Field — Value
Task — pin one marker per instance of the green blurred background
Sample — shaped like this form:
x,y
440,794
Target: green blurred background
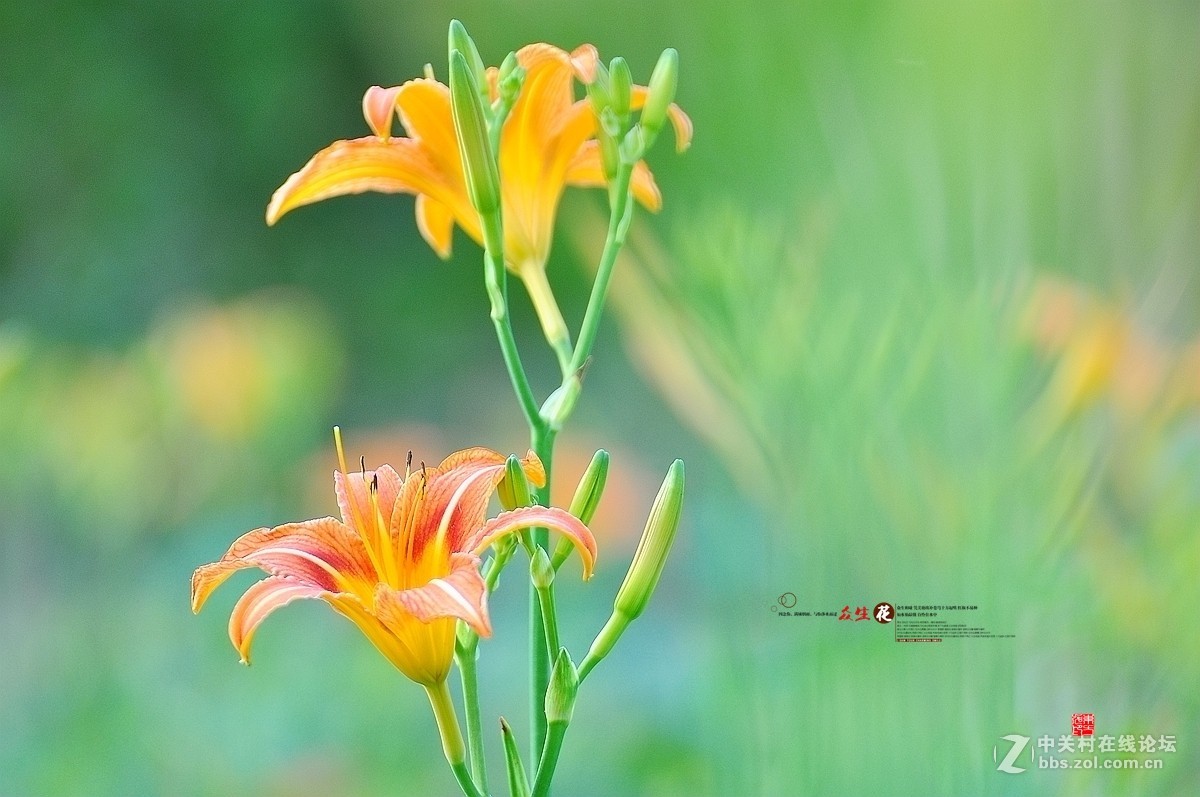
x,y
920,314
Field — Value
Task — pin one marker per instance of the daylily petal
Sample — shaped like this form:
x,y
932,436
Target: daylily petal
x,y
354,495
532,160
379,109
456,498
435,222
462,595
389,165
479,456
319,553
417,667
583,60
679,120
259,601
546,517
425,111
548,74
427,498
587,171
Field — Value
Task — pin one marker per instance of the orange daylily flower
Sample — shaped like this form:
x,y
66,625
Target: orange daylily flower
x,y
402,564
547,143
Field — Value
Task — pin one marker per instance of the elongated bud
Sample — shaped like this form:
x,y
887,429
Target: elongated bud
x,y
646,568
541,573
470,124
590,487
620,86
661,93
587,498
461,41
560,694
513,489
655,545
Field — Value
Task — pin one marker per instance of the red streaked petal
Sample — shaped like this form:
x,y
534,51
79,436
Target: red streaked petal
x,y
319,553
462,594
354,494
456,501
259,601
469,457
379,109
544,517
472,457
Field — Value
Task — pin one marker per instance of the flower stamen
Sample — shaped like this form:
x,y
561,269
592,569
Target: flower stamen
x,y
355,516
381,535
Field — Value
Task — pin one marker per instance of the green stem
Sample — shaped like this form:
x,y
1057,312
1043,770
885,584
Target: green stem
x,y
493,574
549,619
452,741
618,225
603,643
465,656
542,441
464,780
549,759
496,282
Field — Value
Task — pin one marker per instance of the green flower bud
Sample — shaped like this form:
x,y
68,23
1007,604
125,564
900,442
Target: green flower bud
x,y
561,402
655,545
470,124
461,41
598,90
620,86
541,573
587,498
660,94
560,694
590,487
513,489
467,640
634,145
510,78
647,567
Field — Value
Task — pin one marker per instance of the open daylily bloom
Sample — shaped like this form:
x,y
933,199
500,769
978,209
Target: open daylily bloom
x,y
548,142
402,564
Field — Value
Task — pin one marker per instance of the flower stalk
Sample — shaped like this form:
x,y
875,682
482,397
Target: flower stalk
x,y
490,152
452,742
465,656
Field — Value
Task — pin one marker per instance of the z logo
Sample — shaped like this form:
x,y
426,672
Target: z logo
x,y
1018,747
